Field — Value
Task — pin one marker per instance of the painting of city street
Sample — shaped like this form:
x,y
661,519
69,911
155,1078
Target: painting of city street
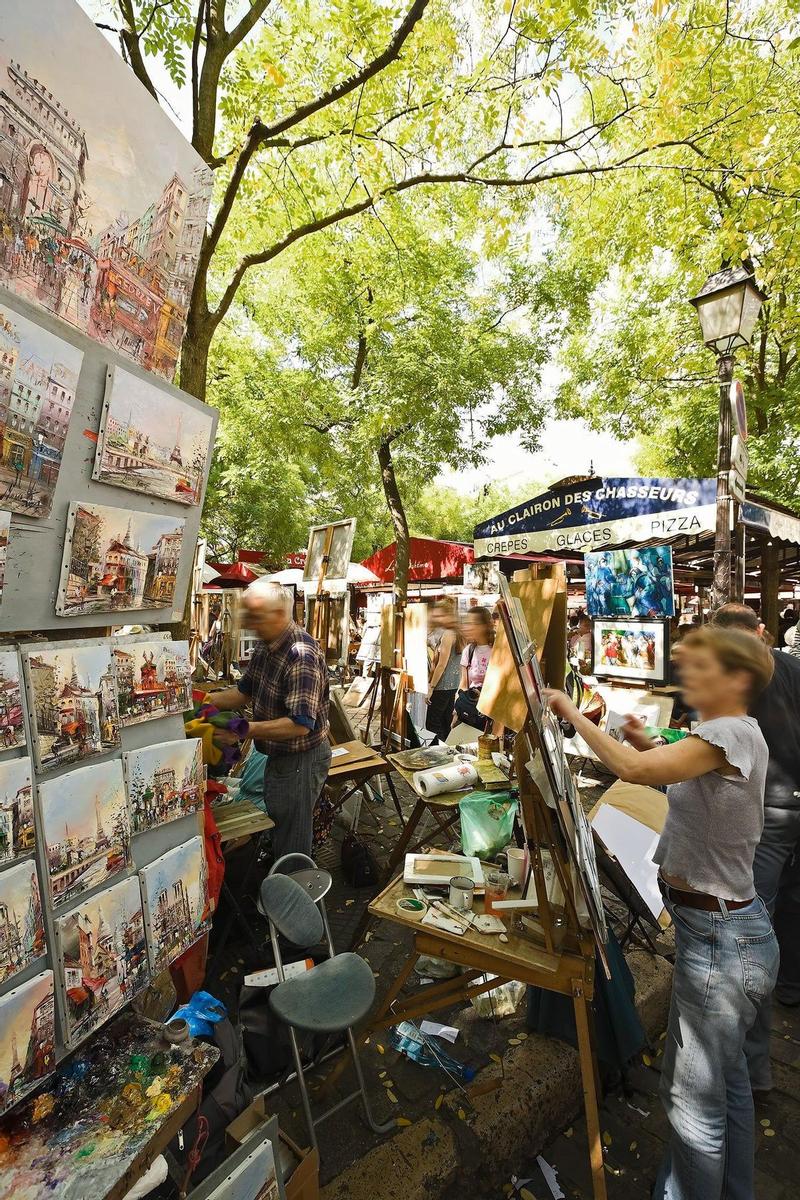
x,y
164,782
154,679
21,924
175,894
103,956
38,377
86,827
17,837
12,726
5,528
27,1038
103,204
74,703
150,441
116,560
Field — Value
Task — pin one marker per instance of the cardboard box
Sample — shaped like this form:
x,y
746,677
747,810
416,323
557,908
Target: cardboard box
x,y
300,1167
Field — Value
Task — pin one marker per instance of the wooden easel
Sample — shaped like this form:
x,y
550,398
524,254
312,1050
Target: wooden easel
x,y
322,602
395,685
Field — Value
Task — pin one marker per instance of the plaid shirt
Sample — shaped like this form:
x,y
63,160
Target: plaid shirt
x,y
289,678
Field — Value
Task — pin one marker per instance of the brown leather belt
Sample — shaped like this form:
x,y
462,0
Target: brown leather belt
x,y
700,899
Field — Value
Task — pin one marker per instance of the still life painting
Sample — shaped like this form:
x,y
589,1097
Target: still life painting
x,y
175,893
21,924
17,834
116,560
154,679
74,703
86,828
12,726
27,1038
164,782
103,956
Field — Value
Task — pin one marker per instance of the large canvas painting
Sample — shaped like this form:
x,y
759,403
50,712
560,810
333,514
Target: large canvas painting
x,y
630,583
152,442
164,782
17,835
631,650
86,827
175,893
21,924
104,201
116,560
103,956
154,680
12,726
74,703
38,377
27,1038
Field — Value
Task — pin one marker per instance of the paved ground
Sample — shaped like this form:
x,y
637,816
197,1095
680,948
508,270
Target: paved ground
x,y
449,1144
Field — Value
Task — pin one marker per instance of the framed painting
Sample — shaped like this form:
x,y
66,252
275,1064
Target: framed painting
x,y
37,394
627,649
151,441
164,782
12,726
86,828
105,201
341,535
630,583
21,924
154,679
102,957
17,835
176,903
72,701
116,560
27,1038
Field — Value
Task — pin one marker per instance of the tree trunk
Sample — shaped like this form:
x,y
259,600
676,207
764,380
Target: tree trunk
x,y
397,512
194,354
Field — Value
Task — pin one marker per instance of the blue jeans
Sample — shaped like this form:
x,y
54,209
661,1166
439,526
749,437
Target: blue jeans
x,y
725,967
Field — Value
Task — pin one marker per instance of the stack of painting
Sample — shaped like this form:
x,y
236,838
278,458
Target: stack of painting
x,y
175,895
165,782
27,1038
73,707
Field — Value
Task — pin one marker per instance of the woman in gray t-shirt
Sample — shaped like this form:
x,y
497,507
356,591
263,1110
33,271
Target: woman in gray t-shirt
x,y
726,959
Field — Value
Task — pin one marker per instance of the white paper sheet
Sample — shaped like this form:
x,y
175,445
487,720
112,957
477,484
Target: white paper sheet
x,y
434,1029
633,845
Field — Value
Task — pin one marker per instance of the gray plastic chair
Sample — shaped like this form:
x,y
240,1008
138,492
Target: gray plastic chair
x,y
331,998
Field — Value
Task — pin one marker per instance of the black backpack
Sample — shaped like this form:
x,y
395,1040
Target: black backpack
x,y
358,863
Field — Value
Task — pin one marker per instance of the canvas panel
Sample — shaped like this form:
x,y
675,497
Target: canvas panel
x,y
72,701
21,923
176,903
164,782
17,834
27,1038
502,697
154,679
12,725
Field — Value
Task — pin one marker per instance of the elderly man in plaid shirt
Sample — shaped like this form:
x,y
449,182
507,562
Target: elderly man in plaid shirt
x,y
286,683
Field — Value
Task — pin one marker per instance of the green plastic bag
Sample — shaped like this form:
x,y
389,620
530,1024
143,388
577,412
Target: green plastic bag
x,y
487,823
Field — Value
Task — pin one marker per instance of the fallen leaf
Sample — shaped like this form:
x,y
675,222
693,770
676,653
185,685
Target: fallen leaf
x,y
765,1123
513,1041
392,1097
569,1132
647,1060
632,1147
526,1195
769,1133
349,902
522,1036
495,1058
402,1121
388,1083
382,1075
462,1116
438,1102
379,1048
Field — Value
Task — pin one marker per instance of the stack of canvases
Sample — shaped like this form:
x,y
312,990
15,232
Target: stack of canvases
x,y
107,944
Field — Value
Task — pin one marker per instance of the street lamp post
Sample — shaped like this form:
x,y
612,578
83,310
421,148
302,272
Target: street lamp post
x,y
727,306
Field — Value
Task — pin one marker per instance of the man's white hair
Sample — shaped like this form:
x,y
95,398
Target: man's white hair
x,y
264,593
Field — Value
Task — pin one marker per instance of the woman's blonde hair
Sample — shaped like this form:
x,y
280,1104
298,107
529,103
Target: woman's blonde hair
x,y
736,650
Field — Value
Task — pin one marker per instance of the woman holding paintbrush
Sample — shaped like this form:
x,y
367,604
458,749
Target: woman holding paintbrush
x,y
726,957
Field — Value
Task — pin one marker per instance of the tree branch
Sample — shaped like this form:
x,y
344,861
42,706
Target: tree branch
x,y
242,28
129,36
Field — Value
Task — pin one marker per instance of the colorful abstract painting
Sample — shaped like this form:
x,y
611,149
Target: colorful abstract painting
x,y
151,441
86,828
38,379
104,203
74,703
175,893
21,925
17,836
164,782
12,726
27,1038
102,955
116,560
154,679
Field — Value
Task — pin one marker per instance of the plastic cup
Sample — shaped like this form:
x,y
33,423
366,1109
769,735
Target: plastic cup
x,y
495,883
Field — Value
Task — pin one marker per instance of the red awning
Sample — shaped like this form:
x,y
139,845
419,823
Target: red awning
x,y
236,576
430,559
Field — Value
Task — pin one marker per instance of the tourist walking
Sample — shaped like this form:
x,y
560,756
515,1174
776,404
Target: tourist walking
x,y
446,644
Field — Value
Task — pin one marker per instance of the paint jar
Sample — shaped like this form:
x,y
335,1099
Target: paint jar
x,y
177,1031
495,883
462,892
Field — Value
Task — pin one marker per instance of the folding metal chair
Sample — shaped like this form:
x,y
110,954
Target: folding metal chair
x,y
332,997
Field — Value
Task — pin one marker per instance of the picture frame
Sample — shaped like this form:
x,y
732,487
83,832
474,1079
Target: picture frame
x,y
164,782
637,582
436,870
341,547
154,679
22,938
632,650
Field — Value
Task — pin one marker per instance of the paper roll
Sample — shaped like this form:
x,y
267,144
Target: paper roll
x,y
445,779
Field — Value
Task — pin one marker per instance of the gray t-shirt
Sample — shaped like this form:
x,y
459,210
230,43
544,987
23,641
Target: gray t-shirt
x,y
714,822
452,672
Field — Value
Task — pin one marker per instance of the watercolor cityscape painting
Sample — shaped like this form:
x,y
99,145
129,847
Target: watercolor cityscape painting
x,y
27,1038
103,956
103,202
175,893
154,679
21,924
12,726
164,782
152,442
38,378
115,560
86,827
74,712
17,835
